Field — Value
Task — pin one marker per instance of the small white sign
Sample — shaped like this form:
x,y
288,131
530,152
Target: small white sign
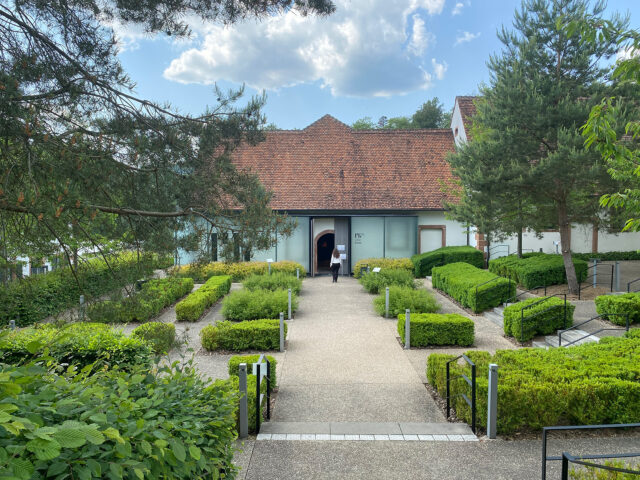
x,y
341,248
376,270
269,260
343,256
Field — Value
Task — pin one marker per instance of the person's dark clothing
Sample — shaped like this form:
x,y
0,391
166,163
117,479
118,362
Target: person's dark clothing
x,y
335,268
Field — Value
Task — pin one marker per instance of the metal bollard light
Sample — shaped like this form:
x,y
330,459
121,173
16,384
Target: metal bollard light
x,y
282,331
492,401
595,272
289,304
617,276
82,308
407,329
243,414
386,302
12,324
298,273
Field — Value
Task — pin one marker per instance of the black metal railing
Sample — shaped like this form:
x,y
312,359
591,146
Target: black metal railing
x,y
515,297
547,430
498,248
260,376
631,283
494,279
580,460
542,312
524,250
561,332
470,381
594,276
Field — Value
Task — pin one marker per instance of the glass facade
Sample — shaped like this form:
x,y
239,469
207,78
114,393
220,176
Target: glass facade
x,y
383,237
296,246
400,236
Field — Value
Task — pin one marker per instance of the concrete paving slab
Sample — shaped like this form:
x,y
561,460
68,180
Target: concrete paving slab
x,y
396,438
295,427
293,436
381,437
426,438
359,428
435,428
437,438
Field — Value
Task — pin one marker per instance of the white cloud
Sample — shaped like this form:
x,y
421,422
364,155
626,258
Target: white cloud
x,y
466,37
367,48
457,9
439,69
627,53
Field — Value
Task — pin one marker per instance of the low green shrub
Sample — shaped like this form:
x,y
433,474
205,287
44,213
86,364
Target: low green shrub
x,y
537,316
460,280
438,329
424,262
388,263
232,386
191,308
619,306
275,281
401,298
237,271
160,423
592,473
236,360
594,383
377,282
161,336
609,256
537,269
257,304
78,344
256,335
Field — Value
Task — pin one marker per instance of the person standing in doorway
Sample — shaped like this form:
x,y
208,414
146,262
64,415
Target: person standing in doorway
x,y
334,266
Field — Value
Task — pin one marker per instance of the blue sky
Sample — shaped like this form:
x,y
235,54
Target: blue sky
x,y
371,58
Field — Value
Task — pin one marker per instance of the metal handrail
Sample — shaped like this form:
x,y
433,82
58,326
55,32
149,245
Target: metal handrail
x,y
515,297
629,285
595,275
471,382
546,430
560,332
542,300
259,395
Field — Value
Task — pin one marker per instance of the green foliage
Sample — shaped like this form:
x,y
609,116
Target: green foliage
x,y
232,386
424,262
155,295
401,298
254,335
431,115
460,281
377,282
36,297
163,423
386,263
537,269
591,473
257,304
595,383
238,270
161,336
537,316
275,281
80,344
609,256
236,360
191,308
438,329
622,305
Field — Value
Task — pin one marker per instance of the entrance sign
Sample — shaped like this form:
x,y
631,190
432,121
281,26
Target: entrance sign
x,y
376,270
341,248
343,256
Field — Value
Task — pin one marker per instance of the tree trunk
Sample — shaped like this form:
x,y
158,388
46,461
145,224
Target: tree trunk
x,y
519,243
565,246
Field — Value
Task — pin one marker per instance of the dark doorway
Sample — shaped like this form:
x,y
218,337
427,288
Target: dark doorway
x,y
325,246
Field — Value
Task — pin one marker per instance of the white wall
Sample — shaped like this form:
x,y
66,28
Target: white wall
x,y
456,122
322,224
455,231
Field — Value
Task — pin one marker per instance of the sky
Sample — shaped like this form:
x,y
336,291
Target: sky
x,y
371,58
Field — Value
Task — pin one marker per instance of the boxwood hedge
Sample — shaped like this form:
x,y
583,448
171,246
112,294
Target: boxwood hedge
x,y
537,316
401,298
275,281
438,329
238,271
255,335
376,282
252,305
191,308
236,360
536,269
388,263
424,262
594,383
161,336
622,305
460,280
609,256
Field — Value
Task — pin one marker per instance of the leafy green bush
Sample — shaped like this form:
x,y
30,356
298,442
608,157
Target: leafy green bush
x,y
622,305
191,308
594,383
460,280
591,473
536,269
401,298
80,344
424,262
438,329
159,423
387,263
257,304
609,256
161,336
34,298
537,316
377,282
255,335
275,281
238,271
236,360
155,295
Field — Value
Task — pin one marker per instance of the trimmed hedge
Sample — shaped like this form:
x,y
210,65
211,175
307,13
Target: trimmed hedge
x,y
155,295
594,383
388,263
609,256
542,319
236,360
628,303
401,298
438,329
255,335
238,271
275,281
537,269
424,262
593,473
161,336
191,308
377,282
459,280
78,344
257,304
36,297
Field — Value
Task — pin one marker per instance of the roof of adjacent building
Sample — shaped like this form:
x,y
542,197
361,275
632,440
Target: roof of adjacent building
x,y
330,166
467,110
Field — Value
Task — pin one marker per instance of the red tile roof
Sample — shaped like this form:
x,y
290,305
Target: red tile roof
x,y
467,110
329,166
